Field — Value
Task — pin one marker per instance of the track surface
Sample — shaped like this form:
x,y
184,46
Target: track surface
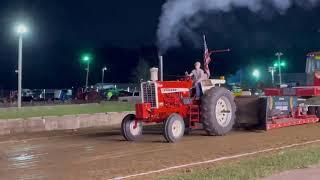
x,y
102,153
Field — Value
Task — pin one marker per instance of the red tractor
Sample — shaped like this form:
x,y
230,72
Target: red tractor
x,y
173,104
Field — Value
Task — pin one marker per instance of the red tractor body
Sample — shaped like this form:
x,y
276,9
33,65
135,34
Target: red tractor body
x,y
161,99
173,104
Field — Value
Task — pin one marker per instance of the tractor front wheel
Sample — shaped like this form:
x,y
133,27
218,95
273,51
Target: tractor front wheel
x,y
174,128
131,129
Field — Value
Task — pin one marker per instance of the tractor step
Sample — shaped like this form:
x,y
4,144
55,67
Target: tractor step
x,y
194,116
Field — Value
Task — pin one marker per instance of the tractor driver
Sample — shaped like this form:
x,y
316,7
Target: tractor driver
x,y
197,75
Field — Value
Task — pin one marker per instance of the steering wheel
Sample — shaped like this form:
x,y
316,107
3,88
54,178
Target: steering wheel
x,y
186,78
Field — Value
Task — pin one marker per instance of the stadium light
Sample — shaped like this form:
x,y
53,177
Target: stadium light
x,y
282,64
86,58
21,29
256,73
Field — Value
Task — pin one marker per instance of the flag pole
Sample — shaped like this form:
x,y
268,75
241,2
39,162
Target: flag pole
x,y
206,55
205,41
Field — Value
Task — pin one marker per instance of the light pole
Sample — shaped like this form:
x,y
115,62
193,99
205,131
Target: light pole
x,y
272,70
103,70
279,54
21,30
87,58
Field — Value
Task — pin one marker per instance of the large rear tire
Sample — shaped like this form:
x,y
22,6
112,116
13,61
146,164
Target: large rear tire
x,y
218,111
174,128
128,129
318,111
314,110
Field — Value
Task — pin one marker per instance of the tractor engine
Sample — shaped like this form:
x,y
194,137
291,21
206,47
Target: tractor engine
x,y
162,98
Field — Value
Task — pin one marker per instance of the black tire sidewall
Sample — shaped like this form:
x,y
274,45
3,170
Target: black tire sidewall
x,y
318,111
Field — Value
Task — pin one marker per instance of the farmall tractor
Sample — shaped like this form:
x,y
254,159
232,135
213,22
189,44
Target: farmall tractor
x,y
173,103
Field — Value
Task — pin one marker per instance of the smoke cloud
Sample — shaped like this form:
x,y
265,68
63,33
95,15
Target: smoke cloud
x,y
184,15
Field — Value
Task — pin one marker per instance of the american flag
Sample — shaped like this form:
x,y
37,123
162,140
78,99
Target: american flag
x,y
206,57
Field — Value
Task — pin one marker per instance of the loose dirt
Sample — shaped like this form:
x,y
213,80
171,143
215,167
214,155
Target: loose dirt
x,y
102,153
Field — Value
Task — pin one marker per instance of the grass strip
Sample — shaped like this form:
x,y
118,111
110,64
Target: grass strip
x,y
60,110
257,167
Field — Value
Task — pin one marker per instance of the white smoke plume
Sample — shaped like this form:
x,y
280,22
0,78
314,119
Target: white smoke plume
x,y
175,14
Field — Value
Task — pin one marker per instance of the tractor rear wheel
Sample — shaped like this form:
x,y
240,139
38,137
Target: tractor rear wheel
x,y
318,111
174,128
218,111
130,130
314,110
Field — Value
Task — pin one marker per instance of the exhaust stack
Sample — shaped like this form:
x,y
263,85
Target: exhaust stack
x,y
161,67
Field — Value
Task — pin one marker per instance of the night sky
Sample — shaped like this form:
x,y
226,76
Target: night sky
x,y
118,33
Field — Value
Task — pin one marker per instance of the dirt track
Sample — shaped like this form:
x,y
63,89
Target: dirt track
x,y
102,154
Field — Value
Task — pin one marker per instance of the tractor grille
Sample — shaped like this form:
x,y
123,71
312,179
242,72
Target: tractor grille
x,y
149,93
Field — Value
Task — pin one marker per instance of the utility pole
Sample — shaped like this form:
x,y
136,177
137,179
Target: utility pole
x,y
279,54
87,58
87,77
272,70
20,73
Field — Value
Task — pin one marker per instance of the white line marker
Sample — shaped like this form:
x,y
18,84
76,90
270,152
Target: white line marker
x,y
215,160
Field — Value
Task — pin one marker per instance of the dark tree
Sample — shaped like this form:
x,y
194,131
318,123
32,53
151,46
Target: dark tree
x,y
141,71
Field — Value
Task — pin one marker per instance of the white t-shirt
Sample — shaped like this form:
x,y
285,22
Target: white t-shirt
x,y
198,74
